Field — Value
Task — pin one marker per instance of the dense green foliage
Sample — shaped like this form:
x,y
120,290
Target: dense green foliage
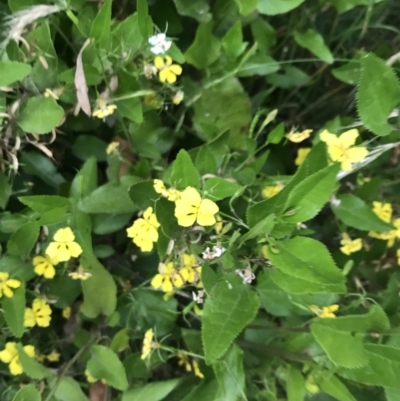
x,y
210,214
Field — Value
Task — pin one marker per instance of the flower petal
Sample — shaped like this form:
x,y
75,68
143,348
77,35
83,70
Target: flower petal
x,y
348,138
64,235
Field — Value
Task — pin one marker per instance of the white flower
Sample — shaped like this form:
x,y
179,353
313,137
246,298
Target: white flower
x,y
159,43
246,274
217,251
199,297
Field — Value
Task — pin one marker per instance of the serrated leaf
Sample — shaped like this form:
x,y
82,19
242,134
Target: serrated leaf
x,y
45,203
23,240
308,198
217,188
221,325
105,364
14,311
205,49
32,368
308,260
277,6
101,25
378,93
143,194
13,71
314,42
354,212
295,385
27,393
262,228
332,385
93,304
40,115
151,392
183,173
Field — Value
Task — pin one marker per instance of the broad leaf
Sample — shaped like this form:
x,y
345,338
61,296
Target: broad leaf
x,y
260,229
85,182
28,393
183,173
295,385
217,188
314,42
332,385
45,203
143,194
222,324
68,389
165,215
277,6
101,25
13,71
14,311
246,6
23,240
32,368
150,392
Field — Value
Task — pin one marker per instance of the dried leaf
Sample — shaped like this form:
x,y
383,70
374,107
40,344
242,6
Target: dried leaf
x,y
80,83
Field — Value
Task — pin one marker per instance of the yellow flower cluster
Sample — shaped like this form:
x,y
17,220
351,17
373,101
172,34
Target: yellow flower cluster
x,y
39,314
6,285
384,212
298,137
102,110
325,311
148,344
171,194
144,230
54,356
9,355
167,71
183,360
350,246
341,149
63,247
80,274
272,190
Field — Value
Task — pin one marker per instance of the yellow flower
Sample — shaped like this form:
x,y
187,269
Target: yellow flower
x,y
53,93
191,208
148,344
171,194
191,270
167,70
102,110
341,149
111,147
63,248
178,97
144,230
40,357
89,377
298,137
183,360
54,356
196,370
383,211
10,356
6,284
325,311
301,155
39,314
66,312
350,246
80,274
272,190
167,278
44,266
219,224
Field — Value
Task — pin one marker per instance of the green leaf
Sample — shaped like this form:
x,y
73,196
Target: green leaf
x,y
151,392
144,19
262,228
183,172
314,42
105,364
5,190
143,194
198,9
307,261
383,368
13,71
277,6
348,73
233,41
221,325
101,25
378,93
14,311
295,385
165,212
87,146
264,34
205,49
288,77
40,165
205,161
230,375
310,195
217,188
332,385
85,182
32,368
392,394
68,389
354,212
112,197
110,223
28,393
120,341
40,115
346,5
23,240
93,304
259,64
16,267
246,6
45,203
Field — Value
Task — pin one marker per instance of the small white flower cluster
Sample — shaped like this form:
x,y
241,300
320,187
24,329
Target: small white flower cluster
x,y
198,297
159,43
246,274
216,252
